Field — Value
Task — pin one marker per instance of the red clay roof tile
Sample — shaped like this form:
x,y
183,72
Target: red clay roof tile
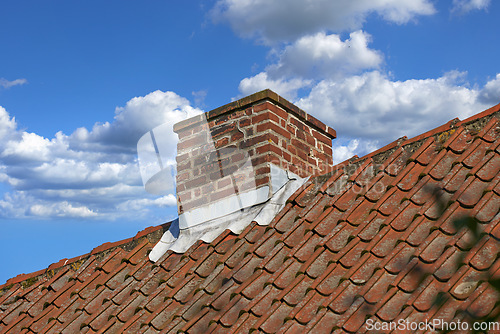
x,y
327,283
366,240
392,304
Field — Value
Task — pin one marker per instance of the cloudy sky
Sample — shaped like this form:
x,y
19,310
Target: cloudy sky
x,y
81,81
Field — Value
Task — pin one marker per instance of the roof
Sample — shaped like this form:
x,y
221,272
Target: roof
x,y
364,241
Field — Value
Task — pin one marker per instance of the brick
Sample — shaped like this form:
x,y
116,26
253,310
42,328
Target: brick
x,y
254,140
263,170
182,157
300,145
297,161
310,140
223,129
298,124
292,130
267,148
210,168
191,142
331,132
266,105
327,149
196,182
200,201
319,155
185,165
229,170
287,156
237,136
207,189
265,117
273,127
312,161
273,138
280,112
227,118
222,193
185,133
180,187
237,157
274,159
321,137
201,159
183,176
244,122
249,131
302,155
262,181
222,142
260,160
271,107
247,186
185,196
301,135
206,148
201,127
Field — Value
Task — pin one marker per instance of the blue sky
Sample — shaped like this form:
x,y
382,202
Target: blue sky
x,y
80,81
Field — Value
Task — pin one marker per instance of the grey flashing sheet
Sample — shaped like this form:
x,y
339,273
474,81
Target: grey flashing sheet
x,y
179,239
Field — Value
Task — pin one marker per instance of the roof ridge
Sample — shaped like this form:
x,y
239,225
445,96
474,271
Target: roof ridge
x,y
405,141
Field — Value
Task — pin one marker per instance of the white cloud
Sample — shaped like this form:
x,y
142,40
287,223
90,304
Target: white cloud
x,y
370,110
86,174
326,56
465,6
346,149
373,107
314,57
61,209
273,21
4,83
139,115
199,97
7,124
29,147
138,204
491,92
344,152
284,87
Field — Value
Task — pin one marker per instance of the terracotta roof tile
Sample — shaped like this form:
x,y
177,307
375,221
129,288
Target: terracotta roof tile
x,y
307,308
366,240
327,283
277,318
392,304
286,274
324,322
327,221
484,303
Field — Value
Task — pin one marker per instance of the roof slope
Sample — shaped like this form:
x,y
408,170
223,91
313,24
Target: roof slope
x,y
348,246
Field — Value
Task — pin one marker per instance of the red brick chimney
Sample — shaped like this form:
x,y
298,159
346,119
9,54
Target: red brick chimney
x,y
236,148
